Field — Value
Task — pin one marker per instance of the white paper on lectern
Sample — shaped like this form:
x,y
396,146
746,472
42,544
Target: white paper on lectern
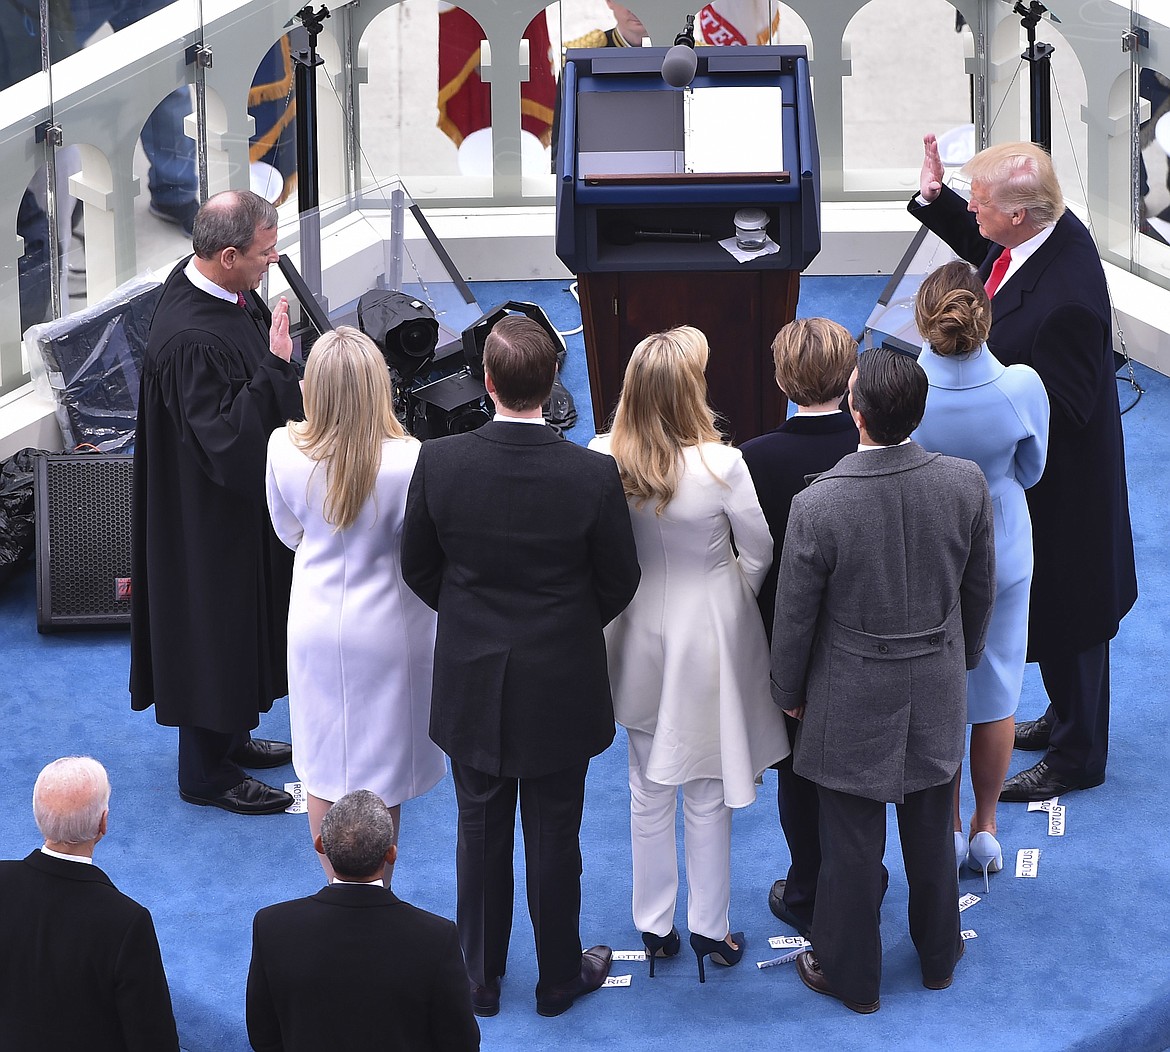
x,y
733,129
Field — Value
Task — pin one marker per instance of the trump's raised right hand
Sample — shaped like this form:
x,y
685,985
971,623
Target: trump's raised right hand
x,y
930,180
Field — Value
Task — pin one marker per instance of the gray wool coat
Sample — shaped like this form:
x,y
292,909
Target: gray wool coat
x,y
885,592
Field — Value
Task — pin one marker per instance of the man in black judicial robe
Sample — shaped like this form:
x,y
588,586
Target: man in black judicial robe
x,y
209,604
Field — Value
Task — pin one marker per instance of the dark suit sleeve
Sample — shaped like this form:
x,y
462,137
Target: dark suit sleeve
x,y
260,1012
141,993
223,420
977,590
423,558
453,1026
1067,355
947,216
612,550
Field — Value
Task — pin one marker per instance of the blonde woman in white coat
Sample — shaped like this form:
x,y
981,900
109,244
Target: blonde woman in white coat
x,y
360,643
688,658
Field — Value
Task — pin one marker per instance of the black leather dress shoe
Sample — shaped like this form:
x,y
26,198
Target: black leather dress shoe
x,y
595,964
943,984
485,1000
1040,782
260,754
250,797
1033,735
811,975
781,911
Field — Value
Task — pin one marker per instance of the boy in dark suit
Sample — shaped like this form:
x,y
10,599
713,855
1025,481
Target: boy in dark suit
x,y
522,543
354,966
814,357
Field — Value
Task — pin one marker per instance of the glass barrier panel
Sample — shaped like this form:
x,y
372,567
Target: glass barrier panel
x,y
1152,243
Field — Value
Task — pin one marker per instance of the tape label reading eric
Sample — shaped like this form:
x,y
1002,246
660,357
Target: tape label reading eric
x,y
617,980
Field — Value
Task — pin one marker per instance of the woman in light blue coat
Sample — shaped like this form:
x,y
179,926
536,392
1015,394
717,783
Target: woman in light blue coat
x,y
997,416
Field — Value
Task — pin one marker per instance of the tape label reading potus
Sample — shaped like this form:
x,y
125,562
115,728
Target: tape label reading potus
x,y
1043,805
1027,861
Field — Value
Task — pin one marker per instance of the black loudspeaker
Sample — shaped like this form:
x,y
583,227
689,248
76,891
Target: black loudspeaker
x,y
83,540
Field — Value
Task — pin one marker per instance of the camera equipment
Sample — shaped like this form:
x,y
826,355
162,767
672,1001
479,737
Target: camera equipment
x,y
559,411
404,329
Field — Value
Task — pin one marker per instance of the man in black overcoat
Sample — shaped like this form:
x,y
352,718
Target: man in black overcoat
x,y
522,543
1050,310
209,603
355,967
80,966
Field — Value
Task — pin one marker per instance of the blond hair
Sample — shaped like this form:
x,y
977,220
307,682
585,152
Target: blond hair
x,y
951,310
662,411
814,359
349,410
1019,177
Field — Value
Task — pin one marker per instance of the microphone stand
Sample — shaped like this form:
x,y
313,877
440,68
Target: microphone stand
x,y
308,187
1039,59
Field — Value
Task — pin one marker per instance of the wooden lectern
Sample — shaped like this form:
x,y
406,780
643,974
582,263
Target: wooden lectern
x,y
641,212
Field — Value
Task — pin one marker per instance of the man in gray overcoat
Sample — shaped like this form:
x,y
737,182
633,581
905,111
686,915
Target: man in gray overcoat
x,y
885,591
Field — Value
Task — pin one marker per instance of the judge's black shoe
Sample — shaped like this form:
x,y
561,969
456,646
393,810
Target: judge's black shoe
x,y
181,215
781,911
250,797
1041,782
1033,735
811,975
595,963
260,754
485,1000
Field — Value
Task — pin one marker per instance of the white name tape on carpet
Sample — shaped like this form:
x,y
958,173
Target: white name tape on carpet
x,y
300,804
1056,821
1027,861
617,980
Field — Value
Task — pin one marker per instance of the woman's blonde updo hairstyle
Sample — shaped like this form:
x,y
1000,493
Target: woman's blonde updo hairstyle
x,y
952,310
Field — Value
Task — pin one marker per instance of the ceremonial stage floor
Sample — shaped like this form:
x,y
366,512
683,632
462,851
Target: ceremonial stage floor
x,y
1074,958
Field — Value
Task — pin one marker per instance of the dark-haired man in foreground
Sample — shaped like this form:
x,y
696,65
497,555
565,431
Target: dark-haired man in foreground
x,y
885,591
522,543
354,966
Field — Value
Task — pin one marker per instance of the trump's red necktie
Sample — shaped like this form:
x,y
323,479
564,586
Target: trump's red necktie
x,y
998,270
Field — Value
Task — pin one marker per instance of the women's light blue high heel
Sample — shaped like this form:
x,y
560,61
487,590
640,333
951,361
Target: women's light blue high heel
x,y
960,850
985,854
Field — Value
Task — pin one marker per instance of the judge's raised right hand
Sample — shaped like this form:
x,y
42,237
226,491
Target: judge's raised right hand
x,y
930,180
279,340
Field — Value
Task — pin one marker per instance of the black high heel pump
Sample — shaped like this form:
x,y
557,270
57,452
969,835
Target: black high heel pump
x,y
717,950
666,945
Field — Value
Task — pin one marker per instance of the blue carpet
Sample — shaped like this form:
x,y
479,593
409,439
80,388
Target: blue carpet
x,y
1075,959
